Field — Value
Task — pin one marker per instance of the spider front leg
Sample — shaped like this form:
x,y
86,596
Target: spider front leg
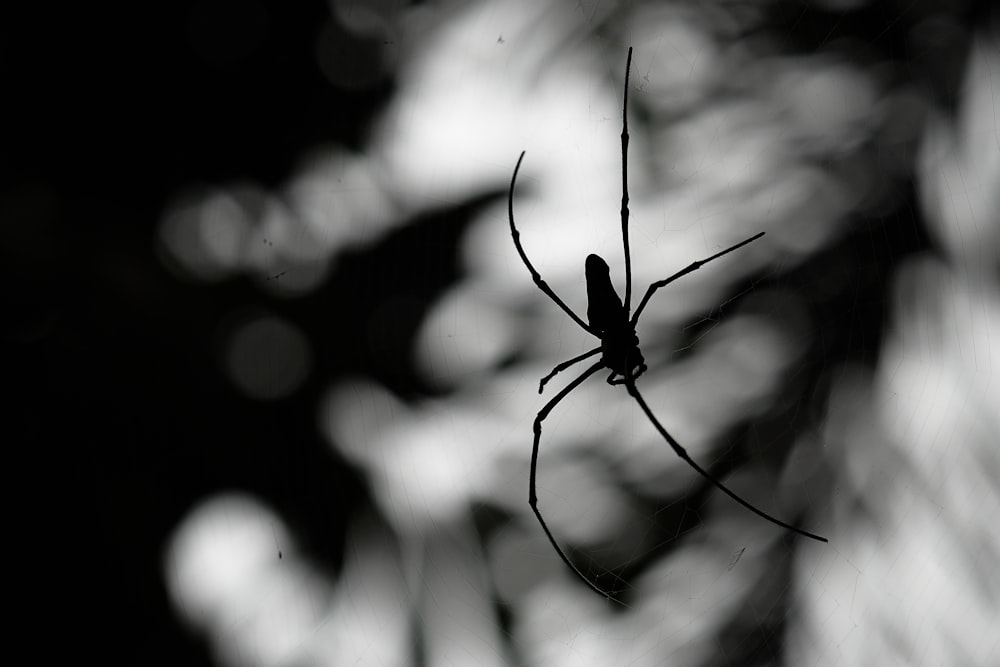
x,y
681,452
533,496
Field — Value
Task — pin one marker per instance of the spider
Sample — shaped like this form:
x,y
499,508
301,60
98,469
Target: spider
x,y
609,320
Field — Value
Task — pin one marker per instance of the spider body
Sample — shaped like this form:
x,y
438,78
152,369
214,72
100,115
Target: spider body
x,y
619,344
610,320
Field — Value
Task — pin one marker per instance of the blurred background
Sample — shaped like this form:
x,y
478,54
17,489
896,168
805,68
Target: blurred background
x,y
276,359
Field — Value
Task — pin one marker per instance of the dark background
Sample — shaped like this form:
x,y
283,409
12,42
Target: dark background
x,y
129,419
123,419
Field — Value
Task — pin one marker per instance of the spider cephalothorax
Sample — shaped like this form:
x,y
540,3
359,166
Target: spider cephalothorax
x,y
611,321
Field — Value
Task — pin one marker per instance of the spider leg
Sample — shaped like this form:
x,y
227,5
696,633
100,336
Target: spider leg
x,y
628,254
564,365
532,496
693,266
624,380
535,276
681,452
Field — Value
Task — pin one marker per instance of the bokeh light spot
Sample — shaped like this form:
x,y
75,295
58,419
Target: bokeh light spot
x,y
267,358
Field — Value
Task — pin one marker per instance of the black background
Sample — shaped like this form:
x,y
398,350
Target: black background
x,y
127,419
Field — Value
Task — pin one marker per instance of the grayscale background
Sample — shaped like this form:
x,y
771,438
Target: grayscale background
x,y
277,360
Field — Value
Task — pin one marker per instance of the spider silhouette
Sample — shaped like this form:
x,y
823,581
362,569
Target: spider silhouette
x,y
610,321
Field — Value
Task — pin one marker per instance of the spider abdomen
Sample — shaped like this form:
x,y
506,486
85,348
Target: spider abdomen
x,y
604,307
619,344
